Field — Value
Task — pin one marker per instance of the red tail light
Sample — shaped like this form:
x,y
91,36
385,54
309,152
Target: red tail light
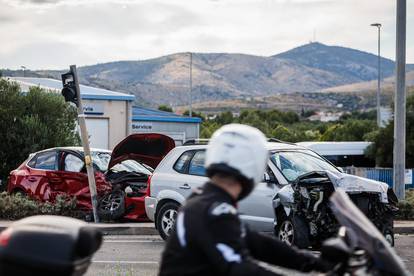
x,y
149,186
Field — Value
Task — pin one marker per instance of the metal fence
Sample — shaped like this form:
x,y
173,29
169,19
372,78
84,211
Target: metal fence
x,y
381,174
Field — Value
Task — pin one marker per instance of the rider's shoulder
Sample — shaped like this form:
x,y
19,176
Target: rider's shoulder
x,y
220,209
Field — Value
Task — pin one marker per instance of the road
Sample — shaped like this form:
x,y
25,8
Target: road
x,y
140,255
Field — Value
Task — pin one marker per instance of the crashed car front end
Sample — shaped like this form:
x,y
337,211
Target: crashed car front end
x,y
129,169
307,199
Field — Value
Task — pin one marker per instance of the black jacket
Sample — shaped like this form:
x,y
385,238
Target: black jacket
x,y
209,239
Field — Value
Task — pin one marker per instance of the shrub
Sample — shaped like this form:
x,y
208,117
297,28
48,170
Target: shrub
x,y
406,207
13,207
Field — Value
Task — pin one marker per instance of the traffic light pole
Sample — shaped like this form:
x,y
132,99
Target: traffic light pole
x,y
86,148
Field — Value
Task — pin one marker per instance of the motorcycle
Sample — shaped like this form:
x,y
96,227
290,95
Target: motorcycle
x,y
359,248
48,245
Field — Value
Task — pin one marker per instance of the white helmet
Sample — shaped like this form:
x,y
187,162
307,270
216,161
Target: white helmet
x,y
238,150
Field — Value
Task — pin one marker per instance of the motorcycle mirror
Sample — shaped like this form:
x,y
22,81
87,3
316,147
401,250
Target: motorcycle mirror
x,y
48,245
335,250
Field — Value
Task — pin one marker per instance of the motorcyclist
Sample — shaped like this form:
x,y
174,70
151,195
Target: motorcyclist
x,y
209,238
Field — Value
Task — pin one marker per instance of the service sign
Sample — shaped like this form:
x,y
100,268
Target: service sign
x,y
408,177
141,126
93,108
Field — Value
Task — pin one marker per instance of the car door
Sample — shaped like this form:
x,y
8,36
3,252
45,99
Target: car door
x,y
42,174
257,208
196,171
74,180
191,172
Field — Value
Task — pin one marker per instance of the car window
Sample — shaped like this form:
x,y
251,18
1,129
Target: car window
x,y
46,161
182,161
197,164
32,162
72,163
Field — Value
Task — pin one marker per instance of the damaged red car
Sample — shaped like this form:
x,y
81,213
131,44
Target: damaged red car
x,y
121,175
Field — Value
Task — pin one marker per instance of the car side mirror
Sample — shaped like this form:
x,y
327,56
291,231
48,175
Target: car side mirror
x,y
341,170
268,179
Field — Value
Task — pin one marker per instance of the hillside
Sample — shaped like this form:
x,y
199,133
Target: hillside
x,y
387,85
221,76
350,64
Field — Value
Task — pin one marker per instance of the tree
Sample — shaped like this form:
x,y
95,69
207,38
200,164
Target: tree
x,y
350,130
31,122
164,107
382,148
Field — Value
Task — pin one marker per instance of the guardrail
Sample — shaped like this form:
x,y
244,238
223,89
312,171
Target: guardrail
x,y
381,174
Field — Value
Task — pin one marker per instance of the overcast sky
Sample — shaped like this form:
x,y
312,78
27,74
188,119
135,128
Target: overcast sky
x,y
51,34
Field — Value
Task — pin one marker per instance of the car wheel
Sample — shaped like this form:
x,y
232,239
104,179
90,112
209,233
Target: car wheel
x,y
166,219
112,206
293,230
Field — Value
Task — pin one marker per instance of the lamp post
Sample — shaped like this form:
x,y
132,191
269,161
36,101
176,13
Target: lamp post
x,y
191,86
24,70
378,25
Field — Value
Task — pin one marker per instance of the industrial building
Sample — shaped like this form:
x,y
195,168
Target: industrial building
x,y
180,128
110,115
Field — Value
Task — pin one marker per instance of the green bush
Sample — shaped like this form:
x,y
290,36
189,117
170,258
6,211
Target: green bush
x,y
13,207
406,207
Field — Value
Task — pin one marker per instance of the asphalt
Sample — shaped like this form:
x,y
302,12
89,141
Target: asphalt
x,y
147,228
140,255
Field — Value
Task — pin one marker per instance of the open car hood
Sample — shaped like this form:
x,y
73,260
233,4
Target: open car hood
x,y
147,148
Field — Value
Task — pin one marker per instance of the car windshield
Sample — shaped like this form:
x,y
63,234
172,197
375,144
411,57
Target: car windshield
x,y
293,164
101,160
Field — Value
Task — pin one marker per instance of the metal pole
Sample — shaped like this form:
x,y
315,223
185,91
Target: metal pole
x,y
400,99
191,85
378,25
379,79
86,148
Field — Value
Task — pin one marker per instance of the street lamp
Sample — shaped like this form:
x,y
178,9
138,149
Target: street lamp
x,y
24,70
378,25
191,86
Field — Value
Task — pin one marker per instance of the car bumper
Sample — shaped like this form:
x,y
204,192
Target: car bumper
x,y
150,207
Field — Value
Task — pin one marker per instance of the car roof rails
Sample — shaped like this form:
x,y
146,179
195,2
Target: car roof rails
x,y
196,142
275,140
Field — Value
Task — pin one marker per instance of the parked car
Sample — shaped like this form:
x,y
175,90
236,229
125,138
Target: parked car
x,y
182,171
121,175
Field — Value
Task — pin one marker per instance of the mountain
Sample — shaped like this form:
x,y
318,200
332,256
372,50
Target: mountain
x,y
220,76
350,64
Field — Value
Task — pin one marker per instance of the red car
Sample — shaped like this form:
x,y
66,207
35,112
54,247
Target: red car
x,y
121,176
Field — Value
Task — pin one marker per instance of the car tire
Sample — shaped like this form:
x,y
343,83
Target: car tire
x,y
112,206
293,230
166,219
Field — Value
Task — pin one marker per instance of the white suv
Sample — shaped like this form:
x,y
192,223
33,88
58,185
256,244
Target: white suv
x,y
182,170
292,200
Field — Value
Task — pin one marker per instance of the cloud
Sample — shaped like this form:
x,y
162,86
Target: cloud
x,y
92,31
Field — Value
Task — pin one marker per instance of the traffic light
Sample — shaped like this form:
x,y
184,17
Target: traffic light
x,y
69,88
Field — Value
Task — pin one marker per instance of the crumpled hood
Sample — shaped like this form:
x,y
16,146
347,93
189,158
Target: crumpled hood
x,y
147,148
354,184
